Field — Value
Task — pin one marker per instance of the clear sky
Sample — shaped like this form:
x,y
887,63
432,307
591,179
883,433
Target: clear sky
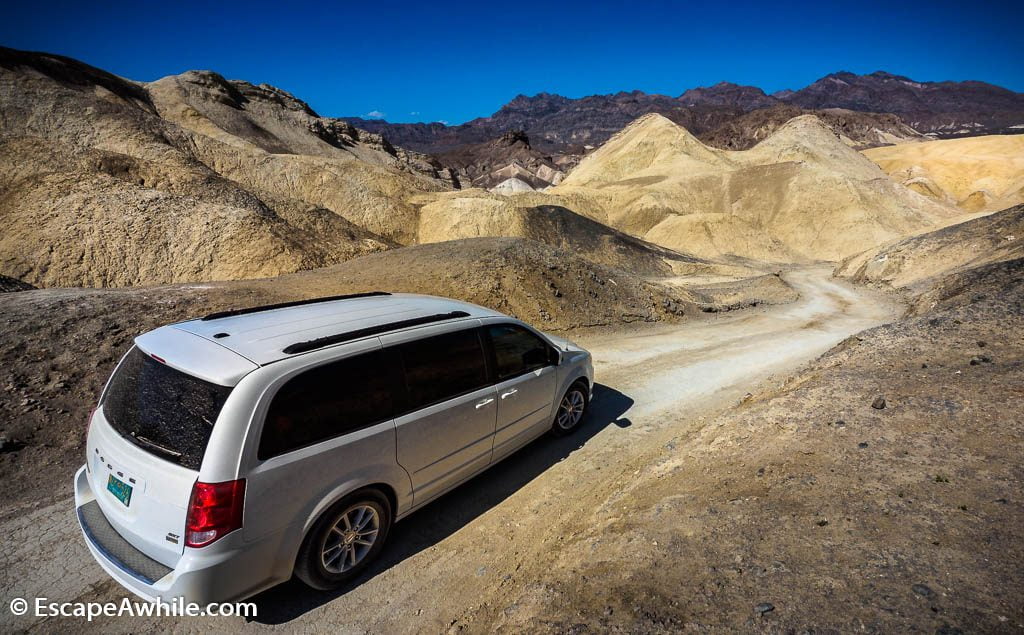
x,y
453,61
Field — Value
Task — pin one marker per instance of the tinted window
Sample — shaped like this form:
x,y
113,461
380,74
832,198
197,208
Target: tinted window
x,y
328,401
444,366
163,411
517,350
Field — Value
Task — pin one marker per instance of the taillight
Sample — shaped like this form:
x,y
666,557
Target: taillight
x,y
214,510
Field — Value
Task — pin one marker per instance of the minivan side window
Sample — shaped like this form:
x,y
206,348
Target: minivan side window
x,y
442,367
329,401
517,350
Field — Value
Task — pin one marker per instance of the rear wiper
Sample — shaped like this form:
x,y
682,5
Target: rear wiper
x,y
174,454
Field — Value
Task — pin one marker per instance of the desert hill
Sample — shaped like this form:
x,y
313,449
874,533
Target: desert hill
x,y
976,173
98,189
267,118
800,194
921,259
475,213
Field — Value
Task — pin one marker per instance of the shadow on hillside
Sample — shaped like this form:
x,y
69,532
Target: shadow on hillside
x,y
454,510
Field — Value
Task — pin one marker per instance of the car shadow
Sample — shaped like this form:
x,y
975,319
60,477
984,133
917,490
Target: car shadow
x,y
443,517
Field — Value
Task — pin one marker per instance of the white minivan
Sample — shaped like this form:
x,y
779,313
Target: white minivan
x,y
229,453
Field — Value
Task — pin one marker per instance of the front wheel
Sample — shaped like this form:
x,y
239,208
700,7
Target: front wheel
x,y
570,411
344,541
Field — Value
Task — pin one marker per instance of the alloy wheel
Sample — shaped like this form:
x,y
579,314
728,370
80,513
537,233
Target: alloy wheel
x,y
570,411
350,538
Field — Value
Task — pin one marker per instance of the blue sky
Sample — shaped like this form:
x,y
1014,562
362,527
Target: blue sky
x,y
453,61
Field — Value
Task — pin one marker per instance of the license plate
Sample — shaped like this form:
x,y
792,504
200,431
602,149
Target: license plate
x,y
122,491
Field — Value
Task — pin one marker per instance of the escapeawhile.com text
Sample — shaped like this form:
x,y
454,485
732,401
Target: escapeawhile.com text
x,y
43,607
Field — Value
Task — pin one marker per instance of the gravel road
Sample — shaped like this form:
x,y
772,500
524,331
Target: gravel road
x,y
457,563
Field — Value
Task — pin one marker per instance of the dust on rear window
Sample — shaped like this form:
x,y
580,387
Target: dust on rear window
x,y
164,411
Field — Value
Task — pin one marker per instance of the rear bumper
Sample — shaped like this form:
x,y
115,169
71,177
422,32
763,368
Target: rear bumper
x,y
234,571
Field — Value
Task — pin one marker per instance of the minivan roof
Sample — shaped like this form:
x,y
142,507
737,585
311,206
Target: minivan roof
x,y
261,336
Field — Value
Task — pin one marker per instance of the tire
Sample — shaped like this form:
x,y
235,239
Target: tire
x,y
572,408
328,558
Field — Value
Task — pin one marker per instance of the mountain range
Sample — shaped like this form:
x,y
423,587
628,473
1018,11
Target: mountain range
x,y
866,110
559,124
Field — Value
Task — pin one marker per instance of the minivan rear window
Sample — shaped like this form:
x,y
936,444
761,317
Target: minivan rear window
x,y
164,411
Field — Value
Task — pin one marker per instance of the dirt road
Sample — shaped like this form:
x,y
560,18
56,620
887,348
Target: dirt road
x,y
465,560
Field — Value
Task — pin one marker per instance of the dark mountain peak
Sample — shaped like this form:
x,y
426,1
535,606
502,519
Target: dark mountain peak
x,y
945,108
888,75
623,94
537,103
526,100
728,94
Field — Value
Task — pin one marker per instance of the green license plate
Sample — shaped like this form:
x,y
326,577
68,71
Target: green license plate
x,y
122,491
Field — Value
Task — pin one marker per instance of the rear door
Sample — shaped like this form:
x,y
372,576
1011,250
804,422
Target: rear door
x,y
145,446
446,431
524,366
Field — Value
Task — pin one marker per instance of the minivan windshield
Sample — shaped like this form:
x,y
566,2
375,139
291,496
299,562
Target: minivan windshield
x,y
164,411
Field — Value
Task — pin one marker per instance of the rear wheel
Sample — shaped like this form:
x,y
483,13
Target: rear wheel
x,y
345,539
571,410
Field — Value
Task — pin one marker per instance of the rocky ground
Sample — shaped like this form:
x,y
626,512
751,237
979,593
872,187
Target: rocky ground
x,y
879,489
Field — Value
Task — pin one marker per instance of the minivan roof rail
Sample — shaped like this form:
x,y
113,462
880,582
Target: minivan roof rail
x,y
283,305
320,342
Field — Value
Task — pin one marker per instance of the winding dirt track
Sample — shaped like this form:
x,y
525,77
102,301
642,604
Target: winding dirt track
x,y
465,559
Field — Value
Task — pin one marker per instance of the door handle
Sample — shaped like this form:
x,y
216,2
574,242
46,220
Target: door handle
x,y
509,393
483,403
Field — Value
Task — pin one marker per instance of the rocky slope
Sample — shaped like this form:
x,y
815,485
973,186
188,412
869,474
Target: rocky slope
x,y
266,118
9,285
800,194
919,260
106,182
977,174
510,156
